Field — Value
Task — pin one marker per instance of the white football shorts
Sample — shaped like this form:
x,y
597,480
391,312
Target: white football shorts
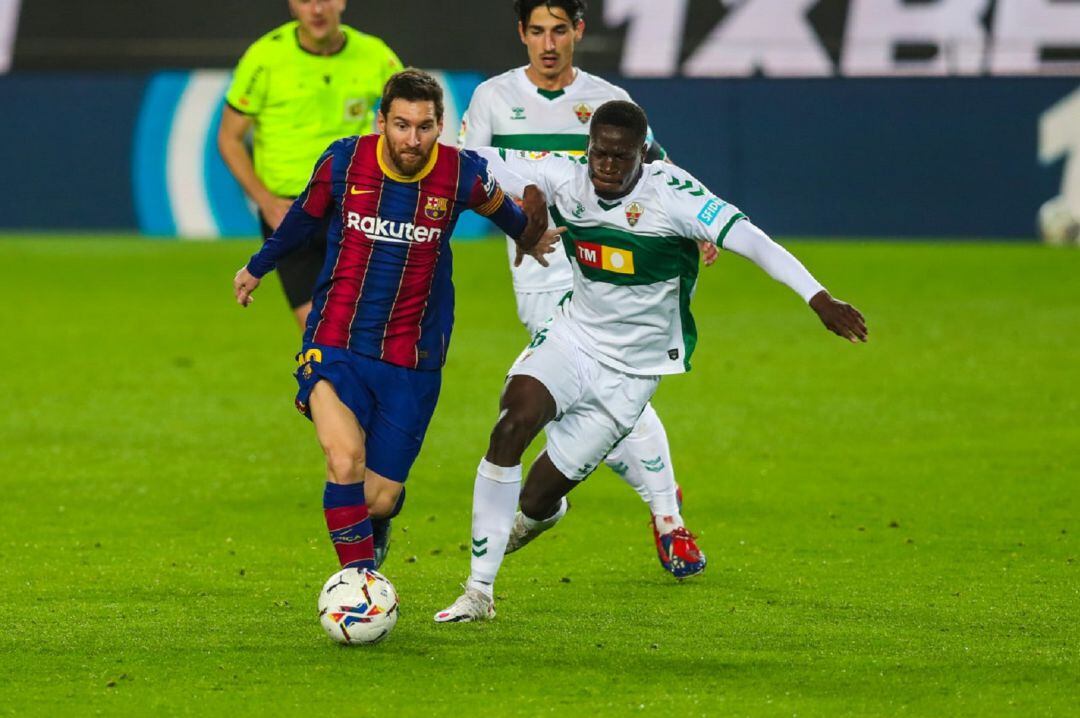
x,y
596,405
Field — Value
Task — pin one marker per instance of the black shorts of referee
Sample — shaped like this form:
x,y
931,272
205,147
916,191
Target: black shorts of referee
x,y
299,270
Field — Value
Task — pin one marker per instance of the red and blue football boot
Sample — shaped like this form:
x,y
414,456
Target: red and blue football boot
x,y
679,554
678,550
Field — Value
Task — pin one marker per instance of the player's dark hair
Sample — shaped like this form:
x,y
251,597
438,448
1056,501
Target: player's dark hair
x,y
574,9
620,113
414,86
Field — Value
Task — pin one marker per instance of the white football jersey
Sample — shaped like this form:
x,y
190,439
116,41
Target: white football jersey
x,y
510,112
635,259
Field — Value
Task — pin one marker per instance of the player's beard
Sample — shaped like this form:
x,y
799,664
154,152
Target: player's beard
x,y
408,162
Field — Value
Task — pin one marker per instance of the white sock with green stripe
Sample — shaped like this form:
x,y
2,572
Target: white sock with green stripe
x,y
495,500
643,460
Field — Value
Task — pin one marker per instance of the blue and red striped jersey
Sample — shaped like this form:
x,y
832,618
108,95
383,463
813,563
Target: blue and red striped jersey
x,y
385,290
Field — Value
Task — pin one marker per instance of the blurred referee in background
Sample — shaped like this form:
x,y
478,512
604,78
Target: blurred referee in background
x,y
301,86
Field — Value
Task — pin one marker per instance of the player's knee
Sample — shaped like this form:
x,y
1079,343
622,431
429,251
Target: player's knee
x,y
513,432
345,465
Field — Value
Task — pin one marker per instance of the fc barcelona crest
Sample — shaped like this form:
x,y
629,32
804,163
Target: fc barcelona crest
x,y
435,208
583,112
633,213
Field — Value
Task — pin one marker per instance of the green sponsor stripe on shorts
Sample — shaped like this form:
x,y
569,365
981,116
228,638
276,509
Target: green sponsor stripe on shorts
x,y
541,142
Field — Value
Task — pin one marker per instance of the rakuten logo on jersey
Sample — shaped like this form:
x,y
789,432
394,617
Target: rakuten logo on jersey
x,y
389,231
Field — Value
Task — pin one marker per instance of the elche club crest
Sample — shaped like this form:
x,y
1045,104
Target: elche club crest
x,y
435,208
633,213
583,112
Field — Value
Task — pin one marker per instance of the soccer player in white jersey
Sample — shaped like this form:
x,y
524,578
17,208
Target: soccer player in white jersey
x,y
631,227
547,105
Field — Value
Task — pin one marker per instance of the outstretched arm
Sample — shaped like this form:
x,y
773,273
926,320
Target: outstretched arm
x,y
840,318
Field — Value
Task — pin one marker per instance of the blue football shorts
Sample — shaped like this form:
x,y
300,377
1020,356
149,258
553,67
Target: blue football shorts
x,y
392,404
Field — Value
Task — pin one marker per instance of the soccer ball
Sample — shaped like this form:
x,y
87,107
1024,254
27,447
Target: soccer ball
x,y
358,606
1057,224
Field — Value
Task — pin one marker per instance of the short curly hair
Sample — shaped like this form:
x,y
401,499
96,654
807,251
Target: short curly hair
x,y
620,113
415,86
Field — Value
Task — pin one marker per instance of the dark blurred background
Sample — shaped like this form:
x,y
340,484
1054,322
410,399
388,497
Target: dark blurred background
x,y
850,118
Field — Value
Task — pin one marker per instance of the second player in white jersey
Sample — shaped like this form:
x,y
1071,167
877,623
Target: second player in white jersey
x,y
632,229
508,111
549,105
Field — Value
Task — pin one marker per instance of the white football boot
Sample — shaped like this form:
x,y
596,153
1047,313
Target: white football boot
x,y
472,605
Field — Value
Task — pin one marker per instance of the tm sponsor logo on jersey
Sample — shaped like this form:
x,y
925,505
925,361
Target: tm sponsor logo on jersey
x,y
389,231
620,261
711,211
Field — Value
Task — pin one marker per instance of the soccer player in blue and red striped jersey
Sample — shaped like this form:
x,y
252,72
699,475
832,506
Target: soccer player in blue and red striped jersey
x,y
377,336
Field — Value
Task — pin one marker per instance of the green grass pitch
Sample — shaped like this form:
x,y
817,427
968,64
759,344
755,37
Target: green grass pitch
x,y
891,528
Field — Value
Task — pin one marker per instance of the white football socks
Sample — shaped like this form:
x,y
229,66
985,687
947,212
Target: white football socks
x,y
643,460
533,524
495,500
667,524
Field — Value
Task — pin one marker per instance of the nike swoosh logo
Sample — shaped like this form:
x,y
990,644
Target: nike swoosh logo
x,y
353,190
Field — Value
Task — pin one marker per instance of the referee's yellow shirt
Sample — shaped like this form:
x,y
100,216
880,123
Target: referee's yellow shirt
x,y
301,102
